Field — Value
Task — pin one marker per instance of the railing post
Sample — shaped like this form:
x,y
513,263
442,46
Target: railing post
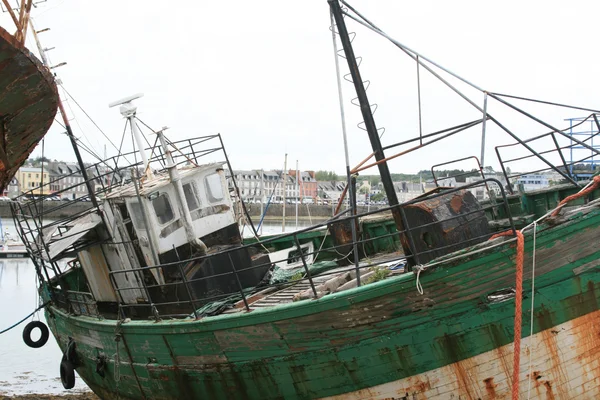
x,y
409,236
237,278
312,285
193,152
187,288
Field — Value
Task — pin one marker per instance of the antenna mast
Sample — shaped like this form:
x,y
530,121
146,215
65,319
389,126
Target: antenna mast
x,y
128,110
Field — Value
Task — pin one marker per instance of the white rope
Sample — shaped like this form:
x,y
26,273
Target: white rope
x,y
419,269
532,305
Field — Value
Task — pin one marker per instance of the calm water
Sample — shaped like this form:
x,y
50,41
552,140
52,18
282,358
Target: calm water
x,y
23,369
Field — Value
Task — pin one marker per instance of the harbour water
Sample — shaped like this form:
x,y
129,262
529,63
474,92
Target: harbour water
x,y
25,370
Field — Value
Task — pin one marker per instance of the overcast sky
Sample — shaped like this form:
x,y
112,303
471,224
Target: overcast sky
x,y
262,72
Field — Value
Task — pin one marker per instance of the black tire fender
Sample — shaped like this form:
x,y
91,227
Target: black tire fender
x,y
27,334
67,374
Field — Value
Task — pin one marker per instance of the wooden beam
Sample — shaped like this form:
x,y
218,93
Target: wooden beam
x,y
12,14
25,21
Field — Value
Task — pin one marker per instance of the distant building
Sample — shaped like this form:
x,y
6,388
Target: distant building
x,y
406,191
30,178
307,185
66,180
534,181
330,190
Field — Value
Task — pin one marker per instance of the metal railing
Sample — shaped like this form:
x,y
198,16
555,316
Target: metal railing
x,y
566,167
190,306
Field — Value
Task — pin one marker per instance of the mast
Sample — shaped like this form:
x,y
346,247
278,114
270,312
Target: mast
x,y
63,114
367,115
284,192
298,198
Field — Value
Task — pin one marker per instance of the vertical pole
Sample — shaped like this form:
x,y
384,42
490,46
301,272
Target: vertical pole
x,y
419,99
262,195
298,198
67,126
140,145
571,146
312,284
237,278
284,192
485,99
365,108
352,190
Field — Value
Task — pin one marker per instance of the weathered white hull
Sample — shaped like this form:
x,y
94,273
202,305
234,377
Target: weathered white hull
x,y
564,363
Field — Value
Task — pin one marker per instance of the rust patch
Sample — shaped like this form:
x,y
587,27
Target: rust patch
x,y
549,394
490,387
456,203
416,386
549,340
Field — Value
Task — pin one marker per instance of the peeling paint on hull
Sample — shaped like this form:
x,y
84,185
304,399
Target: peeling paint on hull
x,y
564,365
452,342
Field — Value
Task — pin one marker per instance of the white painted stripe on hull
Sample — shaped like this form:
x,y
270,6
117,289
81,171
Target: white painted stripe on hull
x,y
565,365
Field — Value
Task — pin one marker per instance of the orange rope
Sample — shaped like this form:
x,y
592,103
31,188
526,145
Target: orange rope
x,y
518,309
577,195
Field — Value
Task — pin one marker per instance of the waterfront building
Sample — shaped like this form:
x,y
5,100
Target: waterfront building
x,y
67,180
30,178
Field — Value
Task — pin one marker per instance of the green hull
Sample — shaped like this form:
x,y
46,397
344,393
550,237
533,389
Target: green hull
x,y
344,342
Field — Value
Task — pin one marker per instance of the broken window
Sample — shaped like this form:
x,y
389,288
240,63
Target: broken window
x,y
162,208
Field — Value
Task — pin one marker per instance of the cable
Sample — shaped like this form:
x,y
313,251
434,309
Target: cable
x,y
28,315
90,118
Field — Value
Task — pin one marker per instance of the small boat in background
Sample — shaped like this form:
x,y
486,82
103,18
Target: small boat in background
x,y
12,247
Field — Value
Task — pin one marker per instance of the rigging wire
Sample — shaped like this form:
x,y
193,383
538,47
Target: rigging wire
x,y
77,122
88,116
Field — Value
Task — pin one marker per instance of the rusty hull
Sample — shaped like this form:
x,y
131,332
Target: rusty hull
x,y
28,104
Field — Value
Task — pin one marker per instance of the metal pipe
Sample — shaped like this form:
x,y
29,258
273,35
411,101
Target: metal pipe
x,y
485,98
140,145
237,278
312,284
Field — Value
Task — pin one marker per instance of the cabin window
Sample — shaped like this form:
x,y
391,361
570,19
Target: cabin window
x,y
162,208
135,210
215,189
191,196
